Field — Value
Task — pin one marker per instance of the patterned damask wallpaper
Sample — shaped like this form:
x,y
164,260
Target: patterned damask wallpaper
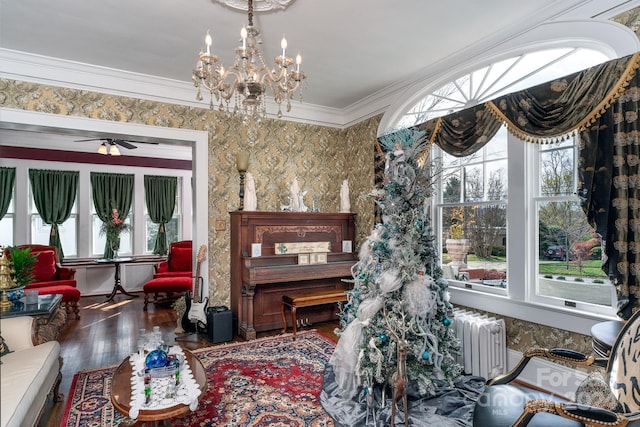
x,y
319,157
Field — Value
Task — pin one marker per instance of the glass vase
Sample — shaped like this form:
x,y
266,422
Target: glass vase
x,y
115,247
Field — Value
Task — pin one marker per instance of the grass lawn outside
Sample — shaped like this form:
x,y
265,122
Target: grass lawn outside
x,y
591,268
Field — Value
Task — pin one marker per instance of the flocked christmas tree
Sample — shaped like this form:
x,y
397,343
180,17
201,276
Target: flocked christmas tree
x,y
399,306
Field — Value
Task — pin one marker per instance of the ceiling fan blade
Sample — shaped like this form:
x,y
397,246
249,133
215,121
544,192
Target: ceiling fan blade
x,y
125,144
140,142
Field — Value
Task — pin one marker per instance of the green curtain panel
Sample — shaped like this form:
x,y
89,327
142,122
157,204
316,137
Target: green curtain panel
x,y
54,193
599,103
111,191
160,196
7,181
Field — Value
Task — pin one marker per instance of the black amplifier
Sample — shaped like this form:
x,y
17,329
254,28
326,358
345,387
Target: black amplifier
x,y
219,324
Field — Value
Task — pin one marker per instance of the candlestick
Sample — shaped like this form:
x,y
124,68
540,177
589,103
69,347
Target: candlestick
x,y
242,164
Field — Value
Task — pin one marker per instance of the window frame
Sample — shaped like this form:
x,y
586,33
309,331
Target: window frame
x,y
536,198
438,204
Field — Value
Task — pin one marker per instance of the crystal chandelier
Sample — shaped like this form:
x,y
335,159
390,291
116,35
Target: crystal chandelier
x,y
247,80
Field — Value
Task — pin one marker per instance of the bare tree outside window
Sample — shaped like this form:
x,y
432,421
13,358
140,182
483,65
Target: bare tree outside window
x,y
565,223
486,223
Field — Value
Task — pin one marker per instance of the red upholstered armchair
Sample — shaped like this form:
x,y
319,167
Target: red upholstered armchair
x,y
178,263
49,277
47,270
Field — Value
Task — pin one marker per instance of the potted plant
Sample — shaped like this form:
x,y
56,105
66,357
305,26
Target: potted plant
x,y
22,262
457,246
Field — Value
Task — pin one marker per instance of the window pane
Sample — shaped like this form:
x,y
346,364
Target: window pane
x,y
6,224
449,161
570,261
480,220
498,147
496,180
6,230
557,171
452,187
486,227
473,183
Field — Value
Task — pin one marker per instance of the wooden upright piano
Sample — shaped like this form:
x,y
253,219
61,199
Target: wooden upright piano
x,y
258,282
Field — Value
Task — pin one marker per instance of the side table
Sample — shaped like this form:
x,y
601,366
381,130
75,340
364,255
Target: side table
x,y
603,336
117,283
121,394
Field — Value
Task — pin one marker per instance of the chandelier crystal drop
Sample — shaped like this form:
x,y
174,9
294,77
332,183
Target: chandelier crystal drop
x,y
241,89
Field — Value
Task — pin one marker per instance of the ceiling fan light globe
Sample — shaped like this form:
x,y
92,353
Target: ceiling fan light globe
x,y
113,150
102,149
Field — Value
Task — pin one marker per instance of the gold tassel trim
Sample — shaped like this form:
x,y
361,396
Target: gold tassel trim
x,y
525,136
585,123
614,94
436,130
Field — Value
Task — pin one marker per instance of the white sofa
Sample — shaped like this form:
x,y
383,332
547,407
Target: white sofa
x,y
28,375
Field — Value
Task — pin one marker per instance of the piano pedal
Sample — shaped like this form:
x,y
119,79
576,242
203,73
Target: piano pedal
x,y
301,323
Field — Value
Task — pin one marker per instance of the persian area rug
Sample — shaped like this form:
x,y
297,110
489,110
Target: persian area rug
x,y
274,381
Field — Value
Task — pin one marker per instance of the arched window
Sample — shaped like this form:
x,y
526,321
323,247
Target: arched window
x,y
515,202
499,78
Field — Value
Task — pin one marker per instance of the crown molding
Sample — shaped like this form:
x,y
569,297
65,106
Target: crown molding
x,y
46,70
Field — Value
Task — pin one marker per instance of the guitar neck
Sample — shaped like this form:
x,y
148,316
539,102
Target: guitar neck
x,y
196,285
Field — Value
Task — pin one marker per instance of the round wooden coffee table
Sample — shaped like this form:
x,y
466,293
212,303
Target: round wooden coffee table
x,y
121,394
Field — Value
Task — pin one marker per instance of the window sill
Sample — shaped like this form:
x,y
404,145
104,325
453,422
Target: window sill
x,y
552,316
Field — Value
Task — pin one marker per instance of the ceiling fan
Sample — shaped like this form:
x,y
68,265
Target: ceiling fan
x,y
110,145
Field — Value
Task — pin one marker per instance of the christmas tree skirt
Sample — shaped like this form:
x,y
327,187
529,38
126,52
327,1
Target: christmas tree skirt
x,y
449,406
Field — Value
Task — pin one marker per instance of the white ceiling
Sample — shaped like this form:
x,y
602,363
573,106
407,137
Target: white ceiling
x,y
351,49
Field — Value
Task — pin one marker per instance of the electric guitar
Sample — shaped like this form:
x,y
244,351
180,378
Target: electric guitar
x,y
195,315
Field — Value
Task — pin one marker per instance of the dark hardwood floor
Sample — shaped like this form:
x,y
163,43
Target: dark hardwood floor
x,y
107,332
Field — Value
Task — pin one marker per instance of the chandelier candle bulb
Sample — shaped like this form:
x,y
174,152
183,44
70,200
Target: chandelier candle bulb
x,y
283,45
208,41
243,34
